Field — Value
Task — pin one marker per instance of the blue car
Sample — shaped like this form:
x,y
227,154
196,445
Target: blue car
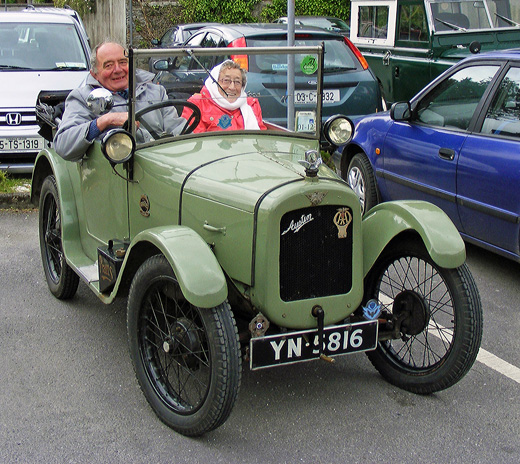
x,y
455,144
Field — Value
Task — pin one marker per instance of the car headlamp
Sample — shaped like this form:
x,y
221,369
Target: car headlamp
x,y
118,146
338,130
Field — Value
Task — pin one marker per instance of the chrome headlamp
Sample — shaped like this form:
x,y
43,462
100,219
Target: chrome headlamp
x,y
118,146
338,130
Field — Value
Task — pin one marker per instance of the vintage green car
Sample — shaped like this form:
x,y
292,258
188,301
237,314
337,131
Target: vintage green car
x,y
408,43
242,246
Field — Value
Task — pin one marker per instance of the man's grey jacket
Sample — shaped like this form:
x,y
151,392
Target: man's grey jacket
x,y
71,141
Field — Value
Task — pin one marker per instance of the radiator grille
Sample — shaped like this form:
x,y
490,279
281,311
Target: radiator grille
x,y
314,261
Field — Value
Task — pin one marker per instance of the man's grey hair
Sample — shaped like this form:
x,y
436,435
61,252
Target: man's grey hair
x,y
93,53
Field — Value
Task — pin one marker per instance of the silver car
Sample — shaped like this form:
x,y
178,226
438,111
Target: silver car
x,y
40,49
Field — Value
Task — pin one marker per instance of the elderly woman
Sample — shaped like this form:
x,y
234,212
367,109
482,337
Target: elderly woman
x,y
225,106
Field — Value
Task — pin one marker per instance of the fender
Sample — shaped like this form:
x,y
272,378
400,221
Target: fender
x,y
200,276
386,220
69,215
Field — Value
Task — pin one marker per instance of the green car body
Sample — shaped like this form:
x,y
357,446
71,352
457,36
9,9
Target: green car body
x,y
408,43
251,227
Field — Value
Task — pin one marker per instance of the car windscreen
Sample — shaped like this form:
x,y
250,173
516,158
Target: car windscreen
x,y
338,57
41,46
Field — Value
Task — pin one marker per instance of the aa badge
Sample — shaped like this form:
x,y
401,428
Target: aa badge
x,y
342,219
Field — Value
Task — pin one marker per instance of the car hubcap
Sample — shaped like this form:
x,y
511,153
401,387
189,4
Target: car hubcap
x,y
356,183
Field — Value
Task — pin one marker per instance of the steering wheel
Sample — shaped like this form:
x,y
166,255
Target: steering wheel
x,y
188,128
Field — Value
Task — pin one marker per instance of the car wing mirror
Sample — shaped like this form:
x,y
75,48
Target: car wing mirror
x,y
167,64
161,65
100,101
401,111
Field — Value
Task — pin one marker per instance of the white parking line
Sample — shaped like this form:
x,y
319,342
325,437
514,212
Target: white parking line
x,y
485,357
499,365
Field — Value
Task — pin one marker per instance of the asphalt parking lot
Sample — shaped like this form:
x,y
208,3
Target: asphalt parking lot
x,y
68,392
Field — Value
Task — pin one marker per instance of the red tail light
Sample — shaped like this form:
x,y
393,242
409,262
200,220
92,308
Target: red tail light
x,y
242,60
358,54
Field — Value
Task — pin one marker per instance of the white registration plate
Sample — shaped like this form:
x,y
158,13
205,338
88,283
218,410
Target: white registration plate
x,y
21,143
309,97
293,347
305,121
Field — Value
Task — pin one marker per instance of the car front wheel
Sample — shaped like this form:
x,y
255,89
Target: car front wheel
x,y
361,179
186,359
439,314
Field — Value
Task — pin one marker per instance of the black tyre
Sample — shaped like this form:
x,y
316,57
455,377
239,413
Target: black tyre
x,y
441,315
360,177
186,359
61,279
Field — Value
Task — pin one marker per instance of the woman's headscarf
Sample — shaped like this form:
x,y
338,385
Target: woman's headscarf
x,y
250,121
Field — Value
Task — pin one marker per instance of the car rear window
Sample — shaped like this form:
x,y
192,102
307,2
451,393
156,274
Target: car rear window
x,y
338,56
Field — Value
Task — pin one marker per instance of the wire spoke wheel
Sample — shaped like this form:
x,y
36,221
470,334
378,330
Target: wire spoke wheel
x,y
439,314
61,279
174,345
186,359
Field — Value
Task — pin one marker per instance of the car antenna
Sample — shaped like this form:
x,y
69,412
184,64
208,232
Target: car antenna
x,y
190,53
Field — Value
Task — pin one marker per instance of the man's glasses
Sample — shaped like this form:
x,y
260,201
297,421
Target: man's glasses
x,y
226,82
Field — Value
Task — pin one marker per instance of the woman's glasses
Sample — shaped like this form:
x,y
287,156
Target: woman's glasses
x,y
226,82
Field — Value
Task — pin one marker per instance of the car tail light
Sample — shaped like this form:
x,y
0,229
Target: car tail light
x,y
356,52
242,60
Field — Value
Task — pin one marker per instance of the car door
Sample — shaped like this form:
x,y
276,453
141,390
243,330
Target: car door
x,y
488,175
409,63
103,210
420,156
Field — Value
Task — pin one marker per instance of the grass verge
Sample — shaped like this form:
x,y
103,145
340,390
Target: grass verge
x,y
12,183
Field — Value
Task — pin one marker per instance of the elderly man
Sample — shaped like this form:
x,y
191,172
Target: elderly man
x,y
109,69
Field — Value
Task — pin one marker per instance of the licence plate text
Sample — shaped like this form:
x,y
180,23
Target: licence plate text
x,y
309,97
21,143
293,347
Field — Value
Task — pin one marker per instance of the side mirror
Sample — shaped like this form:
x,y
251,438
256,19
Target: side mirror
x,y
160,65
401,111
100,101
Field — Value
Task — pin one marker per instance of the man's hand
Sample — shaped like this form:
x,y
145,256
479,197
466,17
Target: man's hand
x,y
112,120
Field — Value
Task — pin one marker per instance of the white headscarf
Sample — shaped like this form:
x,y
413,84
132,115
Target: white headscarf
x,y
250,121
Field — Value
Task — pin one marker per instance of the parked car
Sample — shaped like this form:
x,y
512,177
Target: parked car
x,y
175,36
408,43
350,88
325,22
40,49
241,245
456,145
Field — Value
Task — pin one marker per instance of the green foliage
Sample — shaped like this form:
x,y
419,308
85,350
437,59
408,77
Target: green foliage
x,y
81,6
336,8
238,11
10,184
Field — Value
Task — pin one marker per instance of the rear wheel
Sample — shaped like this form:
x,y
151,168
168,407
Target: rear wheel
x,y
360,177
187,359
61,279
440,317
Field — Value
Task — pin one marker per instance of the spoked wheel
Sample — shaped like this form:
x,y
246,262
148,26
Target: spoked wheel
x,y
186,359
61,279
440,319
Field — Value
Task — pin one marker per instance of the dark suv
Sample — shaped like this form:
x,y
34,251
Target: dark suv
x,y
410,42
350,87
